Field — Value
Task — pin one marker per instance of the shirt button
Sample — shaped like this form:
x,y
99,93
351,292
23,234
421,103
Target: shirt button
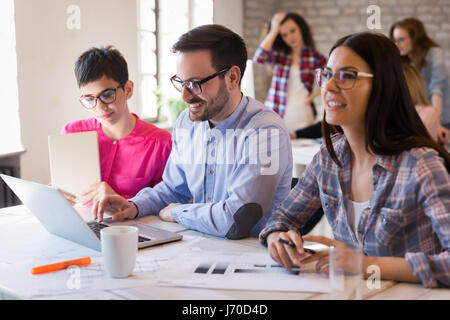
x,y
209,198
211,171
114,142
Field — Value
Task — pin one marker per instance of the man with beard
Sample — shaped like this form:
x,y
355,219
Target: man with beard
x,y
231,160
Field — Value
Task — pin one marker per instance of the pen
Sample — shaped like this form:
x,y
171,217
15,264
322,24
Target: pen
x,y
292,245
61,265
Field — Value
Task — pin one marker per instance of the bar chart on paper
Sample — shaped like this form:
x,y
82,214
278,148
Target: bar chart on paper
x,y
238,271
223,267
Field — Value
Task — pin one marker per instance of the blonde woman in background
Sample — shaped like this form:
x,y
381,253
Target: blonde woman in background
x,y
416,85
417,48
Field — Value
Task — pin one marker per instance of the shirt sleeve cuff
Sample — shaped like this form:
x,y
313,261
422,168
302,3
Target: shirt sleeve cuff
x,y
418,264
143,206
177,213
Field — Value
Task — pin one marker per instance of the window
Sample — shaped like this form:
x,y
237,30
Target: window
x,y
9,109
148,60
161,22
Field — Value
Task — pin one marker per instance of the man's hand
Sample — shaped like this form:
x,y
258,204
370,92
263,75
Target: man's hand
x,y
115,205
165,214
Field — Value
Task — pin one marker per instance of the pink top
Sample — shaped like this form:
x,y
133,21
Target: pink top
x,y
132,163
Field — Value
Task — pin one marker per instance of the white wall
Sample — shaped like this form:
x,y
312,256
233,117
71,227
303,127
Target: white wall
x,y
230,13
46,53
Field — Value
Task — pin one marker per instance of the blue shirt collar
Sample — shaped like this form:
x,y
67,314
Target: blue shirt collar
x,y
234,118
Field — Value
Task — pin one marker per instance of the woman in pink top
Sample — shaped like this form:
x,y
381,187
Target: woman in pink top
x,y
133,153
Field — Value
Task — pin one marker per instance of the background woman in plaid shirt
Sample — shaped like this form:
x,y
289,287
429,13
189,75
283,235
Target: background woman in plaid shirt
x,y
289,47
383,161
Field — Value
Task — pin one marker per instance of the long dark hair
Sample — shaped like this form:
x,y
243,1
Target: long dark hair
x,y
420,40
392,124
280,45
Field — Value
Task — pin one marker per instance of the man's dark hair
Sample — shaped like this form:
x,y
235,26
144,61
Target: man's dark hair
x,y
98,62
227,48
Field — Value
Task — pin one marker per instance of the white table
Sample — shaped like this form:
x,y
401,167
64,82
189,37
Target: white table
x,y
23,239
303,150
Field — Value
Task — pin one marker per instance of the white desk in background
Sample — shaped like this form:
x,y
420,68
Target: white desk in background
x,y
24,242
303,151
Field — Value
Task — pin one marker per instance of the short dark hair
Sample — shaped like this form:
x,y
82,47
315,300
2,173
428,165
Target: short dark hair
x,y
98,62
280,45
227,48
392,124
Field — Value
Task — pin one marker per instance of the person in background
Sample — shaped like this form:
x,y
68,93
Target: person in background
x,y
313,131
429,116
133,153
382,182
418,48
289,47
231,162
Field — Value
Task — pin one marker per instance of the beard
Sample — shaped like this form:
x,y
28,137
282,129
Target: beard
x,y
210,109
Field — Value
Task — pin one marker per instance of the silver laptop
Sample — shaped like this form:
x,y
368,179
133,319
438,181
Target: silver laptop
x,y
58,216
74,162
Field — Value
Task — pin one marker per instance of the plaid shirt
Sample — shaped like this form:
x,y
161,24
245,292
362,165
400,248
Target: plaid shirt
x,y
408,214
309,61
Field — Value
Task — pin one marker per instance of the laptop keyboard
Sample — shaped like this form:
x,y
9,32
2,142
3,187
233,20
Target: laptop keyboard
x,y
143,239
96,227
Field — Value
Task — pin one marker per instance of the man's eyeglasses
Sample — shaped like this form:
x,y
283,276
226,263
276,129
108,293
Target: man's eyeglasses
x,y
344,79
107,96
194,87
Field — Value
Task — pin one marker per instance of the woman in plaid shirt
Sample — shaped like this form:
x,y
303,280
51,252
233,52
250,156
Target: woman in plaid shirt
x,y
382,158
290,49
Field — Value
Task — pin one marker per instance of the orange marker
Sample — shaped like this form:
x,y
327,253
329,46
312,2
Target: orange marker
x,y
61,265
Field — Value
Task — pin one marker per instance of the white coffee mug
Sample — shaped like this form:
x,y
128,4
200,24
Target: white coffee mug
x,y
119,250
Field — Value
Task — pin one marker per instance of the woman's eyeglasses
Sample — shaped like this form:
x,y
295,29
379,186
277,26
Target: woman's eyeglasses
x,y
344,79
